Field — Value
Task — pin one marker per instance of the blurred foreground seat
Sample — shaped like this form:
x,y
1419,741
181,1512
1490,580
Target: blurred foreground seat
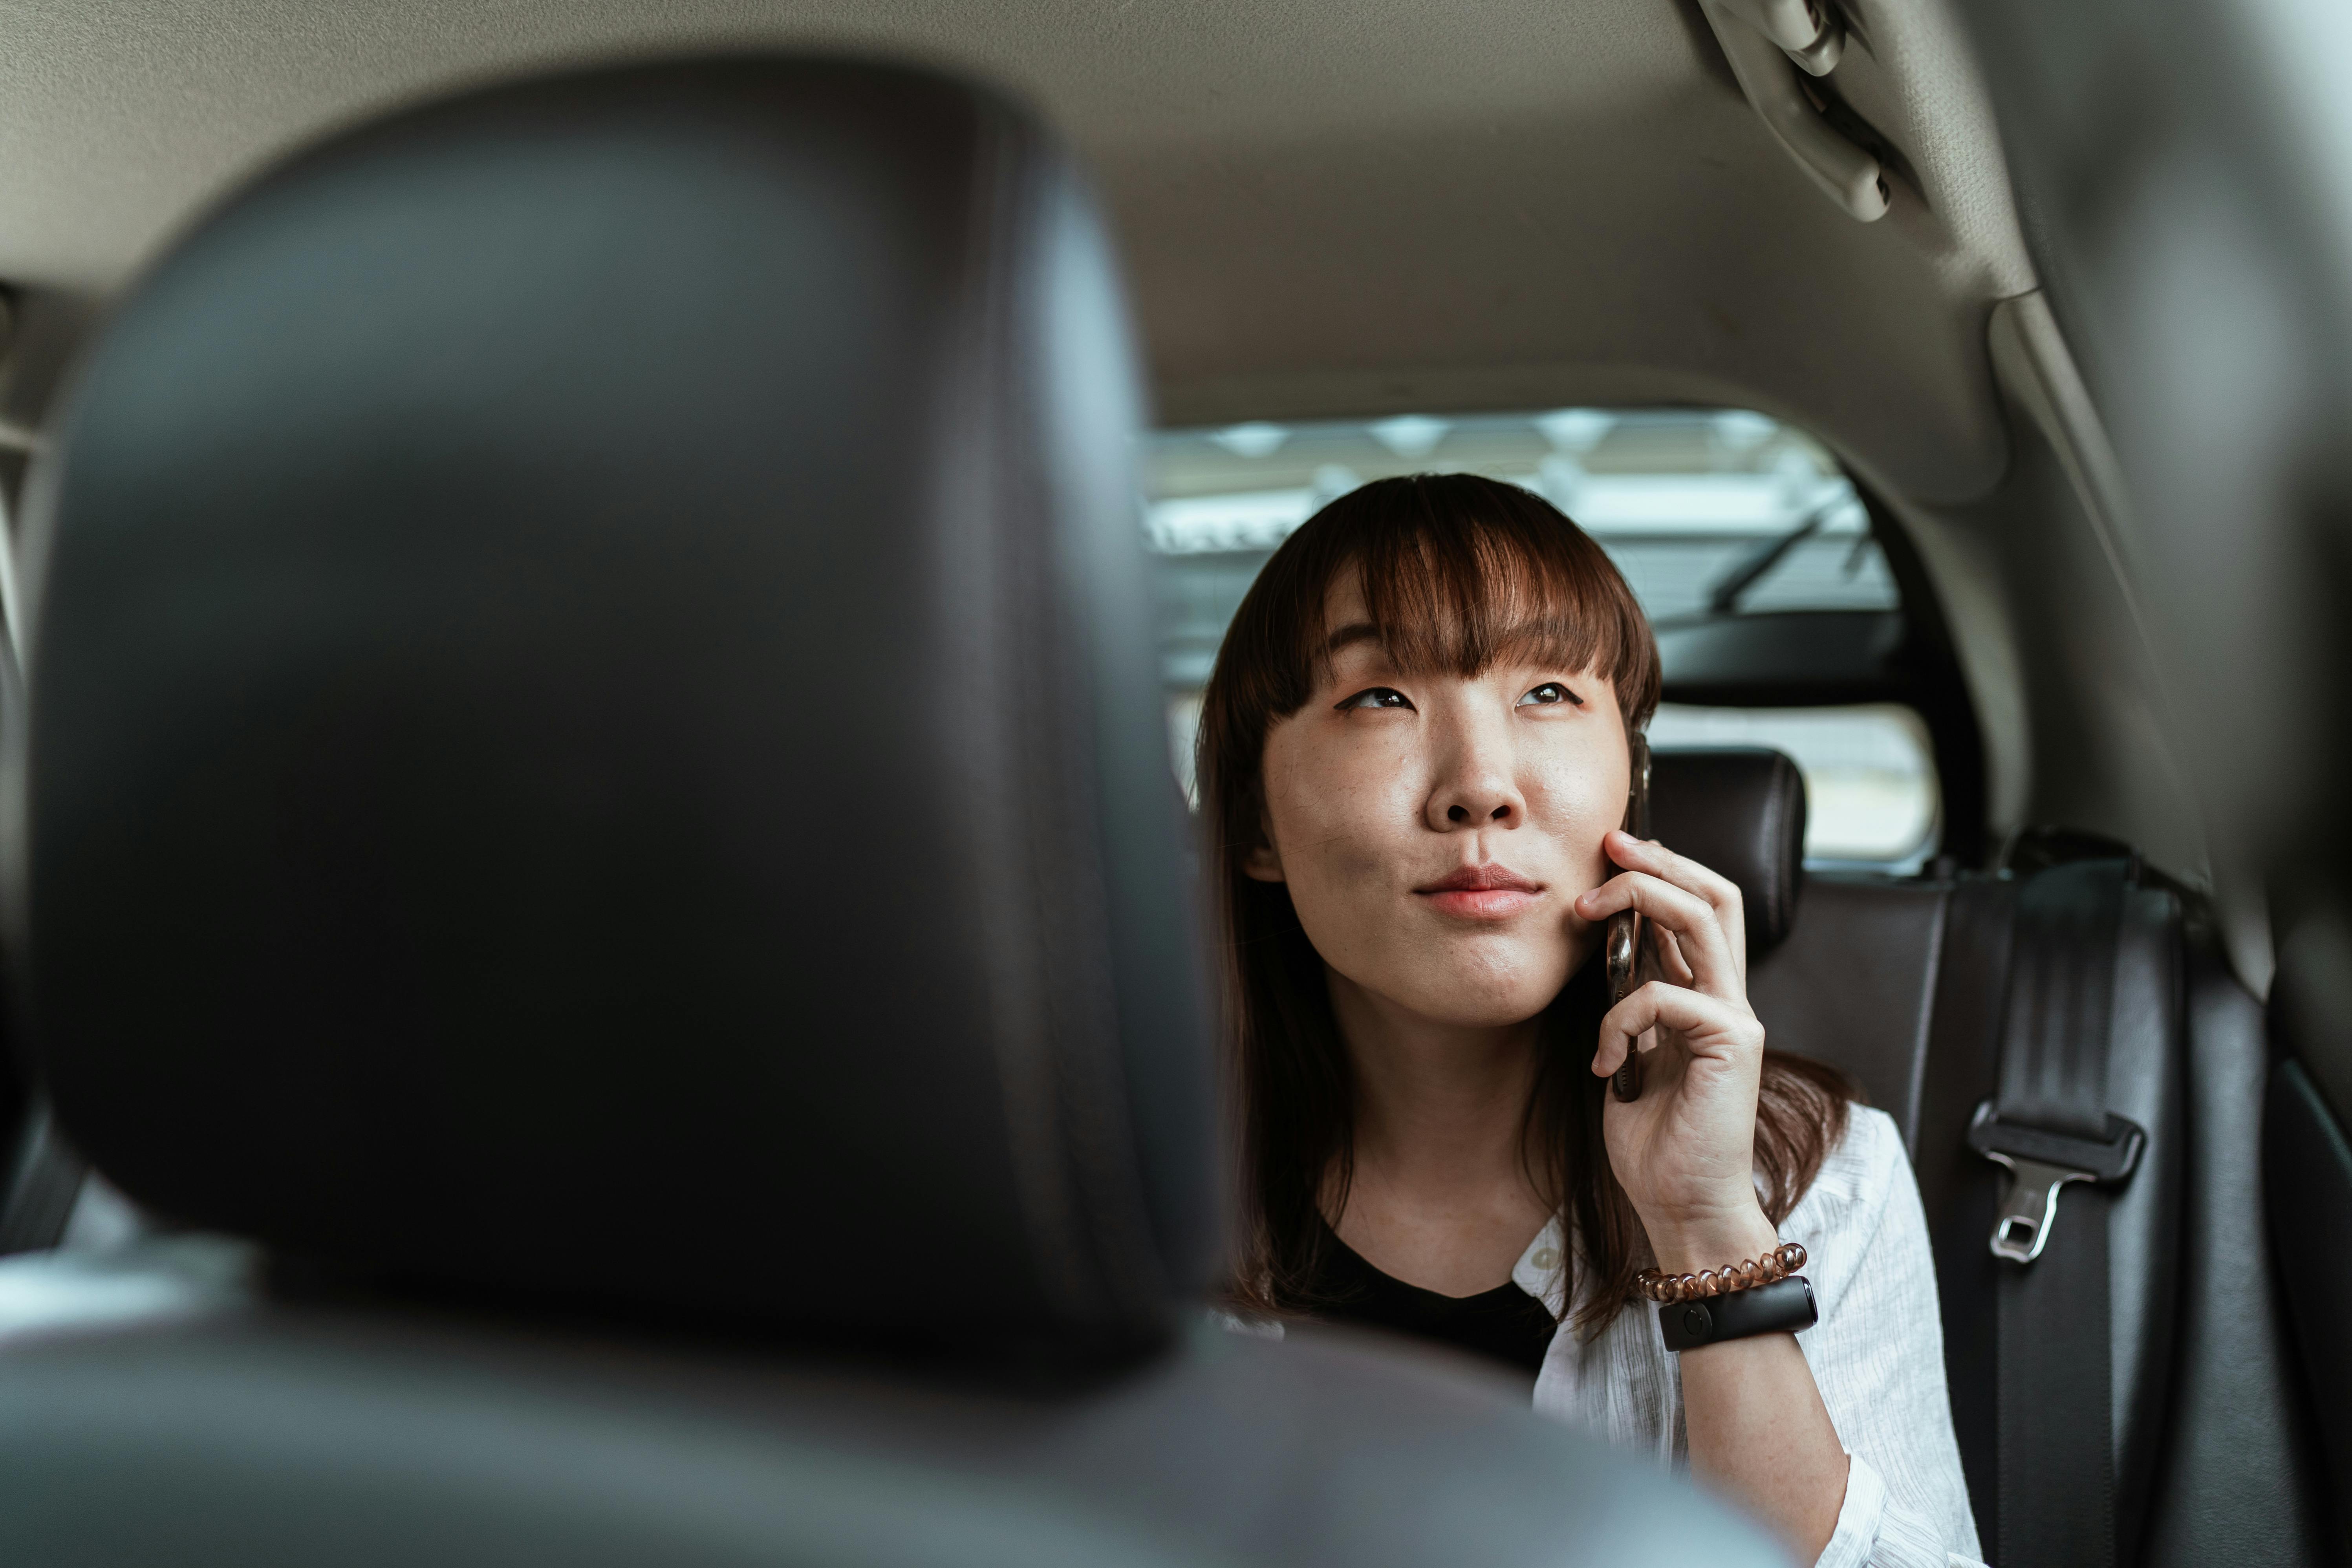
x,y
598,836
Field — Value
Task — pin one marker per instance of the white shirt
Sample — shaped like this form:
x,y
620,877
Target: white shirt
x,y
1877,1354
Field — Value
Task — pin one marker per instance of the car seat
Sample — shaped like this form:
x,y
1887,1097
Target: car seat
x,y
596,840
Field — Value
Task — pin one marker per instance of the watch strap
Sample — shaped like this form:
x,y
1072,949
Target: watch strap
x,y
1782,1307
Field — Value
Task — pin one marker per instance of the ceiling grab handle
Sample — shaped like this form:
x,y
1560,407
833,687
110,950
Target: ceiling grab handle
x,y
1752,34
1805,31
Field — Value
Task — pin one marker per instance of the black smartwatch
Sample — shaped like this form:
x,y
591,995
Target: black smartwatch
x,y
1780,1307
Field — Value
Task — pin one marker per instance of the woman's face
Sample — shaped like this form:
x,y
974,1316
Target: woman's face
x,y
1434,831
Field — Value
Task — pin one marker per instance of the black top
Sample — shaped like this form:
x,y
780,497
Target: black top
x,y
1504,1324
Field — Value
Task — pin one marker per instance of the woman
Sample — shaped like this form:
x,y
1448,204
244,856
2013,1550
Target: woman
x,y
1415,752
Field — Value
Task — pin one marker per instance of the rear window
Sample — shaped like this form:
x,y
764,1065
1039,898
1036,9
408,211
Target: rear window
x,y
1709,514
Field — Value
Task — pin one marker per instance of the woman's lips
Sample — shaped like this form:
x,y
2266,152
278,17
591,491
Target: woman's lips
x,y
1481,893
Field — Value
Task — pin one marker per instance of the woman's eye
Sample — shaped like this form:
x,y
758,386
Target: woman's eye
x,y
1378,696
1549,692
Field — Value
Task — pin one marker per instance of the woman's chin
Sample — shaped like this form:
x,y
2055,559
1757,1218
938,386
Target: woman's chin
x,y
1479,979
1477,1007
1485,1017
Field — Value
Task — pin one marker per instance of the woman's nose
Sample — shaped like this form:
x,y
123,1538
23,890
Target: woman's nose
x,y
1478,796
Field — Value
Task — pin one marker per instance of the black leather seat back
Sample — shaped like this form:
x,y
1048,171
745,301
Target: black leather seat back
x,y
595,745
2307,1182
592,735
1855,985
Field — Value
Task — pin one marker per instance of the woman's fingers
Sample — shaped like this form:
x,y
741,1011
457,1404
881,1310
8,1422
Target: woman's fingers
x,y
1710,1025
1719,892
1699,937
1671,963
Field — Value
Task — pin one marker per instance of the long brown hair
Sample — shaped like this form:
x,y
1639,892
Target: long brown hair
x,y
1453,568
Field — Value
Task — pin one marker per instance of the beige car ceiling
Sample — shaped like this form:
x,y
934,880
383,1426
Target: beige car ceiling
x,y
1328,206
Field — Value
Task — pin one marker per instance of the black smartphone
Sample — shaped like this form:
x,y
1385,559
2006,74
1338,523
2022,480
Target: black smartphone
x,y
1623,937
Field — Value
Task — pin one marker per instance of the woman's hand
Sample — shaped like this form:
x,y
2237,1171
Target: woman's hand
x,y
1685,1151
1685,1154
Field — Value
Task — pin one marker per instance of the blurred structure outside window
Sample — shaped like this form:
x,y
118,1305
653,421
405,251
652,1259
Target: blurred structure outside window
x,y
1708,513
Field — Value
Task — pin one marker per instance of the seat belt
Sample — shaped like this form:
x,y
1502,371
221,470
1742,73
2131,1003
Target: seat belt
x,y
2049,1128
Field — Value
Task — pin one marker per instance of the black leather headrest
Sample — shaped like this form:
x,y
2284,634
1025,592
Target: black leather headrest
x,y
594,728
1740,810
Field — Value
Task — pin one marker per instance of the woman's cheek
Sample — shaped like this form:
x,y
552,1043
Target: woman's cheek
x,y
1350,853
1596,865
1581,823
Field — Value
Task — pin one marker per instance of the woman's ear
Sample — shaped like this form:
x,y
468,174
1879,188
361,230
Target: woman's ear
x,y
1263,861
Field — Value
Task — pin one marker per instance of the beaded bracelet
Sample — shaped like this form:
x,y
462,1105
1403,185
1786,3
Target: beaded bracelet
x,y
1778,1264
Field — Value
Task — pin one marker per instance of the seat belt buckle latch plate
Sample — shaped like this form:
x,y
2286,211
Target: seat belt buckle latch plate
x,y
2039,1163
